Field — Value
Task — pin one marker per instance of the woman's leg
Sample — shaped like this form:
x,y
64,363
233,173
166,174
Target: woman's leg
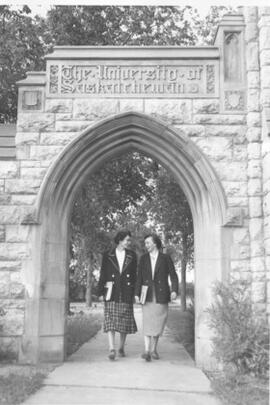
x,y
122,344
147,345
154,351
155,343
111,337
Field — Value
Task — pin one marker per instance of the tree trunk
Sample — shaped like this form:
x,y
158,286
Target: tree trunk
x,y
88,293
183,274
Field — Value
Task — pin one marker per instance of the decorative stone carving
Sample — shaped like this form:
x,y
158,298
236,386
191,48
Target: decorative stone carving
x,y
54,69
30,217
133,80
234,217
31,100
210,77
234,100
232,57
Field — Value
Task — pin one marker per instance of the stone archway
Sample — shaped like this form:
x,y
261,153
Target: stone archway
x,y
45,309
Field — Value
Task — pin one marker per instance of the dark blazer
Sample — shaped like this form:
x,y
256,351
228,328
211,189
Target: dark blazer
x,y
164,268
124,282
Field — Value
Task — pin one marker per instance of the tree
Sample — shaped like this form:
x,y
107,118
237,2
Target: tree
x,y
21,49
92,25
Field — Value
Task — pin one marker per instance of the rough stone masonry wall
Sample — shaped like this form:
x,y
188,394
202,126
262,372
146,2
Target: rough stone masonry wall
x,y
264,37
13,248
254,131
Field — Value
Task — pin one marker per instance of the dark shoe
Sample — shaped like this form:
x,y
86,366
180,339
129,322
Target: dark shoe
x,y
121,353
112,355
155,355
146,356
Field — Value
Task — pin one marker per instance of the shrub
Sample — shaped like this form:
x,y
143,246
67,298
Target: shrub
x,y
241,337
8,352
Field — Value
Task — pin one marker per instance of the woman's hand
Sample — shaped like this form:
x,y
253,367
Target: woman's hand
x,y
101,298
137,299
173,295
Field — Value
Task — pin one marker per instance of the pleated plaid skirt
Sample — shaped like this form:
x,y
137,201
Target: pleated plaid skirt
x,y
119,317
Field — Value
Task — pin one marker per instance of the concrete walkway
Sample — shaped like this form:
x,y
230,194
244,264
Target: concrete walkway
x,y
88,377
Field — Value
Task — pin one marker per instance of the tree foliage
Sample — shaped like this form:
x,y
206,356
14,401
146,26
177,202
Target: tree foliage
x,y
171,209
21,50
112,190
132,25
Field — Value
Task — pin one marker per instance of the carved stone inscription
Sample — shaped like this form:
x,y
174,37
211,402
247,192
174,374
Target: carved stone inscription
x,y
132,80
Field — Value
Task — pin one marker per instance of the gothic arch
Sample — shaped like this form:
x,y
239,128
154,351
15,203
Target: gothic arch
x,y
45,321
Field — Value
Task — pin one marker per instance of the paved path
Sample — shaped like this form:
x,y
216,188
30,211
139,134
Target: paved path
x,y
88,377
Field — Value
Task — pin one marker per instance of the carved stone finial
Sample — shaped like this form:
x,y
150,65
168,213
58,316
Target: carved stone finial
x,y
30,218
234,217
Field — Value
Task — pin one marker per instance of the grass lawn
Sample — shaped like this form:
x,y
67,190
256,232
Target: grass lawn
x,y
81,328
240,390
17,382
181,325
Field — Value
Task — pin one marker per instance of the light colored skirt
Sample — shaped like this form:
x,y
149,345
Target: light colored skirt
x,y
154,317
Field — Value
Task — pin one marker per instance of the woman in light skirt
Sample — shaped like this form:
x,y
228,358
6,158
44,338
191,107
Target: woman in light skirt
x,y
154,270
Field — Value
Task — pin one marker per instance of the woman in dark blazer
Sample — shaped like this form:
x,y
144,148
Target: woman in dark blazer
x,y
153,272
116,286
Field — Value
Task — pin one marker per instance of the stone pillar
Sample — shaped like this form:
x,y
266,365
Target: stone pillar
x,y
264,38
255,199
18,188
230,38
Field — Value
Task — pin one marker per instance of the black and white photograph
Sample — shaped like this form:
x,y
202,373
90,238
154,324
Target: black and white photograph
x,y
134,202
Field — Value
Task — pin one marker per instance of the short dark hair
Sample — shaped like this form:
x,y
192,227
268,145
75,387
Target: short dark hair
x,y
121,235
156,239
